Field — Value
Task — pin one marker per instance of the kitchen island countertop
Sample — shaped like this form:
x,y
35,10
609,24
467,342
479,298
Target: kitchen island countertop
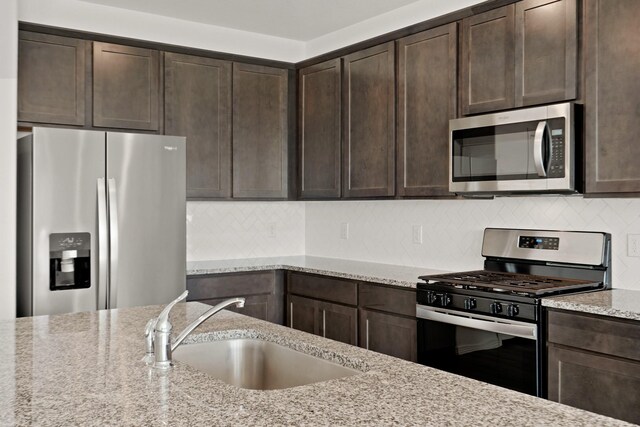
x,y
86,369
387,274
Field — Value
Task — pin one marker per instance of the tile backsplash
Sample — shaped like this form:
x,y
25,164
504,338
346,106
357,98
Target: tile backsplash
x,y
223,230
385,231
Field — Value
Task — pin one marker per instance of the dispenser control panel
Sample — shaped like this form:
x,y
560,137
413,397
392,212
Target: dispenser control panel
x,y
69,261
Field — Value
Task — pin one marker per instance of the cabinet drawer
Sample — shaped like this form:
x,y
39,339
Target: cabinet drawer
x,y
602,335
325,288
230,285
381,298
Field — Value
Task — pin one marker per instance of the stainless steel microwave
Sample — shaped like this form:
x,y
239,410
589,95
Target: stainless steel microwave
x,y
522,151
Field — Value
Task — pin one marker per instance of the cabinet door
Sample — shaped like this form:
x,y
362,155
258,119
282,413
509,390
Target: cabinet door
x,y
260,132
263,291
488,61
51,79
302,314
197,104
388,334
125,87
612,104
594,382
319,115
369,128
338,322
546,51
256,306
427,90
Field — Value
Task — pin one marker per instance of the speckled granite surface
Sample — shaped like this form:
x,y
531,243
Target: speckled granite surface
x,y
622,303
86,369
388,274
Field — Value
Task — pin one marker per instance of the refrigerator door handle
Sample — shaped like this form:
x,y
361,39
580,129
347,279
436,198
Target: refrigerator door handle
x,y
103,245
113,244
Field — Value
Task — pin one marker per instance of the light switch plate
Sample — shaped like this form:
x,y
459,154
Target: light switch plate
x,y
416,232
344,230
633,245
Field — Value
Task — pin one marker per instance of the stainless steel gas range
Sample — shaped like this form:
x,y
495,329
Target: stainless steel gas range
x,y
488,324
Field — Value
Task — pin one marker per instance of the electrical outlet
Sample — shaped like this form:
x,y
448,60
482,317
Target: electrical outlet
x,y
633,245
271,227
344,230
417,234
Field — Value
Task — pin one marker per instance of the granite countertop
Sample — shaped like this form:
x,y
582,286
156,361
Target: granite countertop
x,y
622,303
86,369
387,274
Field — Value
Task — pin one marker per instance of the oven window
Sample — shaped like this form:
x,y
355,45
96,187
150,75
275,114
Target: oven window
x,y
502,152
498,359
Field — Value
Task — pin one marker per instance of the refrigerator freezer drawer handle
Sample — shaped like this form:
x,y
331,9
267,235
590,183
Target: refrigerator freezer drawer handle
x,y
113,244
103,245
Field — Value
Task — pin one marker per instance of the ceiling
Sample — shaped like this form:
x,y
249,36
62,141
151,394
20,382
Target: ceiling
x,y
301,20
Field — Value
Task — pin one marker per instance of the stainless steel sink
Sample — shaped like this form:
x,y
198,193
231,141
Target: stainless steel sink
x,y
257,364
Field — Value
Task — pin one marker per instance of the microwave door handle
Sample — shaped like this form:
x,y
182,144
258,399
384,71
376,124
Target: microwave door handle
x,y
542,131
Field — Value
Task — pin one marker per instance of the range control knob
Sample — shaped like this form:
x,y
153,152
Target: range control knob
x,y
445,300
496,308
432,297
470,303
512,310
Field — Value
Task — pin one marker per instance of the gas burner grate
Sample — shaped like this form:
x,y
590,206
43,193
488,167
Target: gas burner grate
x,y
511,282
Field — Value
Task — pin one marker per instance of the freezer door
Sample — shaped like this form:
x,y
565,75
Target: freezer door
x,y
67,165
147,218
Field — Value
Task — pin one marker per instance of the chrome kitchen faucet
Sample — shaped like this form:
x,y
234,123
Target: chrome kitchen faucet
x,y
158,331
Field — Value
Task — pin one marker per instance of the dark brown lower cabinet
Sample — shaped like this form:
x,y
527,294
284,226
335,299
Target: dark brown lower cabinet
x,y
389,334
334,321
263,292
594,364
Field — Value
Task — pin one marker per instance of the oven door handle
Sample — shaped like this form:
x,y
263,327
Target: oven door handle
x,y
516,329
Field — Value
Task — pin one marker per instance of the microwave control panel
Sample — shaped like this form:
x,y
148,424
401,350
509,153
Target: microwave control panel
x,y
556,160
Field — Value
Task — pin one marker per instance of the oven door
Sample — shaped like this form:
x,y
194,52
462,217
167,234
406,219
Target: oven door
x,y
497,351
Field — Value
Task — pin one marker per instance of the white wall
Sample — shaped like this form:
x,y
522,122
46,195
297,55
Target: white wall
x,y
8,102
224,230
413,13
381,231
127,23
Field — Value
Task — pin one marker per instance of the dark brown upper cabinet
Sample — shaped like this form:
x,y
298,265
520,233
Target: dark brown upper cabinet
x,y
51,79
427,93
260,134
612,104
368,122
546,51
319,112
488,66
197,104
125,87
519,55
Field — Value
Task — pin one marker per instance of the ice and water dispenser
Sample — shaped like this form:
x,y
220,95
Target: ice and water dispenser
x,y
69,261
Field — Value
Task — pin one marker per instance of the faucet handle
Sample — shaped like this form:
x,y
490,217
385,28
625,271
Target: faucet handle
x,y
162,323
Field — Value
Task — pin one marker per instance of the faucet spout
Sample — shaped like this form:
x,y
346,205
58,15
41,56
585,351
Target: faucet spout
x,y
239,302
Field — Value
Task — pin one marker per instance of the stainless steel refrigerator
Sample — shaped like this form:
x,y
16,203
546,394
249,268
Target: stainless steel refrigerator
x,y
101,220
